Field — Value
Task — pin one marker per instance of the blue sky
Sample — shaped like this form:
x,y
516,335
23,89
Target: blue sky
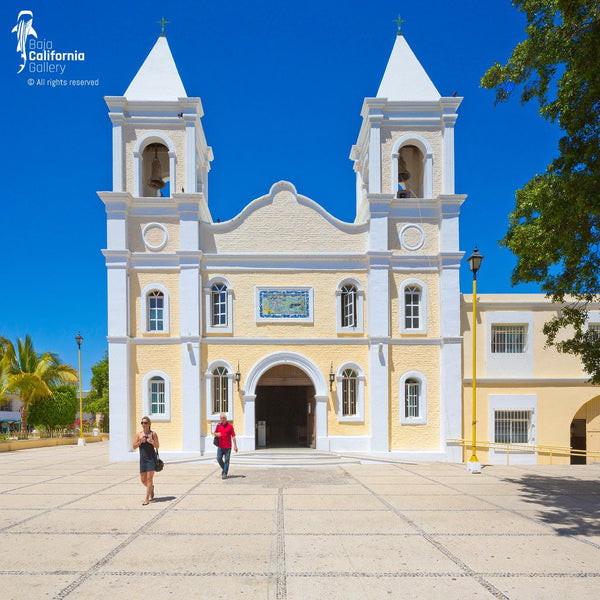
x,y
282,85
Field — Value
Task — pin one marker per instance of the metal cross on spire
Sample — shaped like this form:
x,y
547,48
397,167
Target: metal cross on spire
x,y
399,22
162,24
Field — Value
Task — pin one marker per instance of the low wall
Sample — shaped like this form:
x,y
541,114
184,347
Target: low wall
x,y
11,445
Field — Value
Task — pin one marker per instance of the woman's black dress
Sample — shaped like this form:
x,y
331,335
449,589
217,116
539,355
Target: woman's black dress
x,y
147,457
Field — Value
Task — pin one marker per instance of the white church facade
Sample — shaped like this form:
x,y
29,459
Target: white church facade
x,y
305,330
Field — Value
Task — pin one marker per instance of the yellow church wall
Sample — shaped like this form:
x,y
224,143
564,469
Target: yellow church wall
x,y
284,225
433,303
130,137
388,138
426,360
167,358
430,243
154,235
140,279
322,356
324,285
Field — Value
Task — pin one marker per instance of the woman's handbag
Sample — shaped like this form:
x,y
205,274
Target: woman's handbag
x,y
160,465
216,438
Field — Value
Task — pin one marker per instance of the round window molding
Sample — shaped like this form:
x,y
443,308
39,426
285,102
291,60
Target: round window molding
x,y
155,236
412,237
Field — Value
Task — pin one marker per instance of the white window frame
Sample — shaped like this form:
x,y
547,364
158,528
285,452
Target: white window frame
x,y
359,417
423,307
147,400
145,308
208,376
426,149
228,326
509,365
422,418
507,333
360,307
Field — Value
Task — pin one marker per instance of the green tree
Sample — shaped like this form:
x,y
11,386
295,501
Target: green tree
x,y
97,399
554,229
31,374
56,411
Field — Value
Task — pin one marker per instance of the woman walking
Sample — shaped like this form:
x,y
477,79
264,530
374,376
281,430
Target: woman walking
x,y
147,441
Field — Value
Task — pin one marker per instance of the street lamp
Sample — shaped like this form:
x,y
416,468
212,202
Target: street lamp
x,y
474,466
81,441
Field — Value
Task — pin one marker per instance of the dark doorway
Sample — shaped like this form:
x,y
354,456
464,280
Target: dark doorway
x,y
284,410
578,440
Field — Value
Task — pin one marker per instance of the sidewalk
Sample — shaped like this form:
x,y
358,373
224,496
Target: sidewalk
x,y
72,526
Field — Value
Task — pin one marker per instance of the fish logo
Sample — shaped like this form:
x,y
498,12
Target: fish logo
x,y
24,29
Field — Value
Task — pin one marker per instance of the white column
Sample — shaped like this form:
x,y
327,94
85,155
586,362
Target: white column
x,y
375,159
118,155
248,440
322,434
190,157
119,391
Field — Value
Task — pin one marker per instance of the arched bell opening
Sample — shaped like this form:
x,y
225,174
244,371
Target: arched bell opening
x,y
156,176
410,172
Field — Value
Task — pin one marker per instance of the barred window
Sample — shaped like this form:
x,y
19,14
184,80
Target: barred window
x,y
412,396
412,307
219,304
156,306
512,426
594,328
348,300
157,396
349,389
508,339
220,383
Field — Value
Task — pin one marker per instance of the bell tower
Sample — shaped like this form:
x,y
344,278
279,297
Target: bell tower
x,y
404,165
159,196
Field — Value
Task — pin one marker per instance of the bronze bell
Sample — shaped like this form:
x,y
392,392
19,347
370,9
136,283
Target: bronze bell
x,y
156,181
403,174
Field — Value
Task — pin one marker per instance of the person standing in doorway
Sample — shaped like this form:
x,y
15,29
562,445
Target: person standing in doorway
x,y
147,441
226,434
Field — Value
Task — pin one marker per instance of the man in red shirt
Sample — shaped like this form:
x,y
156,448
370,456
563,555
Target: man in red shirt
x,y
226,434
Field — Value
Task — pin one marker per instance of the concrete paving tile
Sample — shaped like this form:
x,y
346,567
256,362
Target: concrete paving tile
x,y
336,522
523,554
16,500
136,587
197,554
116,502
222,488
136,488
521,503
186,521
11,516
546,588
322,490
331,502
86,521
495,521
441,502
230,502
377,554
55,552
488,489
54,488
375,588
33,587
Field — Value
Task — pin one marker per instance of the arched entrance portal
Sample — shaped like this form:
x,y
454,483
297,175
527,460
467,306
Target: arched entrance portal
x,y
285,409
585,429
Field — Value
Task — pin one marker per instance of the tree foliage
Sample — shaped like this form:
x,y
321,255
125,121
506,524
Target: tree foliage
x,y
56,411
97,399
554,229
30,374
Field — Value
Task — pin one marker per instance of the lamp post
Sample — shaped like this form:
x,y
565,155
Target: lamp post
x,y
474,466
81,441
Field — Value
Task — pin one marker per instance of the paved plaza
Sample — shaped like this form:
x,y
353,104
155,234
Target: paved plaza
x,y
316,526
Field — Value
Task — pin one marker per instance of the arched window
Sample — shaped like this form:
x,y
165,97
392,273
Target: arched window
x,y
218,304
218,299
413,306
412,167
413,399
220,397
155,307
349,392
348,299
157,396
349,306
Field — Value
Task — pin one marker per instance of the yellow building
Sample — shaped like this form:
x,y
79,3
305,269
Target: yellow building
x,y
305,330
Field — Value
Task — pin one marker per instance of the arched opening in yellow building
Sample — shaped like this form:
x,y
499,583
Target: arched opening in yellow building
x,y
285,409
585,429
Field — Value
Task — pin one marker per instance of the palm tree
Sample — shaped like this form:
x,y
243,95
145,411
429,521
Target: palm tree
x,y
30,374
